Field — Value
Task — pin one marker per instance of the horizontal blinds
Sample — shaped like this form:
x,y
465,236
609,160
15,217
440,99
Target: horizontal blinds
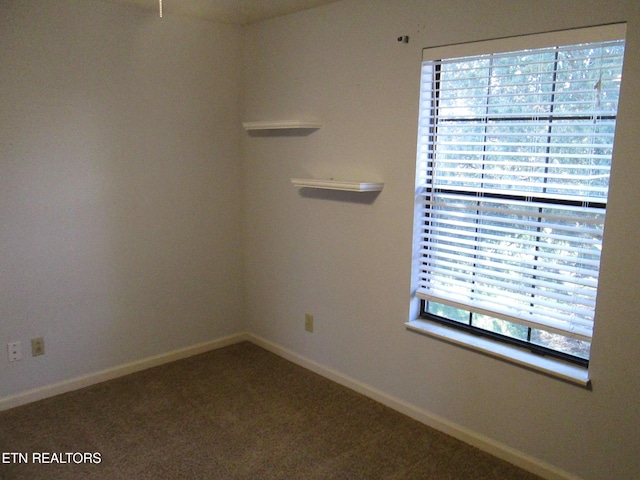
x,y
514,154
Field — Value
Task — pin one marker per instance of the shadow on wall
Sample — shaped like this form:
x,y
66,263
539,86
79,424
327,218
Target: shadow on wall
x,y
364,198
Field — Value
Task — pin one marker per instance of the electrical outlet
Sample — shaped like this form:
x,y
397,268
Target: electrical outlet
x,y
308,322
37,346
14,349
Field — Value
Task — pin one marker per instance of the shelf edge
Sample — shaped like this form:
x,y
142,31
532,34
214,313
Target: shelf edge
x,y
282,125
338,185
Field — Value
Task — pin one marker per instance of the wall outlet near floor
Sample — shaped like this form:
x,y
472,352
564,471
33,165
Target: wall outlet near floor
x,y
308,322
14,349
37,346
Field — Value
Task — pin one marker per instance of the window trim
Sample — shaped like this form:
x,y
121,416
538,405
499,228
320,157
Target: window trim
x,y
596,33
553,366
549,366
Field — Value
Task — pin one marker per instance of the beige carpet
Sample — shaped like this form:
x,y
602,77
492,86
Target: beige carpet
x,y
235,413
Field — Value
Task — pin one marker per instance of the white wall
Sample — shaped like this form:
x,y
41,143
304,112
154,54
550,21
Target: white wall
x,y
123,207
348,260
119,186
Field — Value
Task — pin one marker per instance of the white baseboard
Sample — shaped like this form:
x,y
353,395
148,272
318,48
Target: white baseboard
x,y
470,437
118,371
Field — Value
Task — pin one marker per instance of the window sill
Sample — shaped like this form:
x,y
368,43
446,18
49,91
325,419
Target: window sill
x,y
548,366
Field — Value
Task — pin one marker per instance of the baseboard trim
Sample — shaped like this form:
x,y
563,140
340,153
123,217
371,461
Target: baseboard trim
x,y
118,371
470,437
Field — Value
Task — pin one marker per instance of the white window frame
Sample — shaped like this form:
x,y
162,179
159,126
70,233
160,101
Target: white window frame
x,y
554,367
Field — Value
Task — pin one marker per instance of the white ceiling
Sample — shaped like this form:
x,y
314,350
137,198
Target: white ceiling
x,y
239,12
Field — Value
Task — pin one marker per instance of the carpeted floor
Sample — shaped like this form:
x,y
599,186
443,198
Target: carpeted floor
x,y
235,413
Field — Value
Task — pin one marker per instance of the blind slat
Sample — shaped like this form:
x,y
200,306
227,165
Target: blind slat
x,y
576,331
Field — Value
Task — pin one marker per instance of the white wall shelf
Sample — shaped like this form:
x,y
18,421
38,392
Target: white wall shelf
x,y
283,125
332,184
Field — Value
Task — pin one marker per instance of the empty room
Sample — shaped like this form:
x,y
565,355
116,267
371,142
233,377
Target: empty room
x,y
390,239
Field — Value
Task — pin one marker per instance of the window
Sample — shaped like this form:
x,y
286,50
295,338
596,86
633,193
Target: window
x,y
515,143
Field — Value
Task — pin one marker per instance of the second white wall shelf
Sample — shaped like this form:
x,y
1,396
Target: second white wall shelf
x,y
332,184
283,125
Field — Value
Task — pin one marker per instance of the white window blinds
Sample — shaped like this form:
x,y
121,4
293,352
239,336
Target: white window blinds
x,y
514,154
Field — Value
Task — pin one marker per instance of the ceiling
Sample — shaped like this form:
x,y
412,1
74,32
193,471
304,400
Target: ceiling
x,y
239,12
